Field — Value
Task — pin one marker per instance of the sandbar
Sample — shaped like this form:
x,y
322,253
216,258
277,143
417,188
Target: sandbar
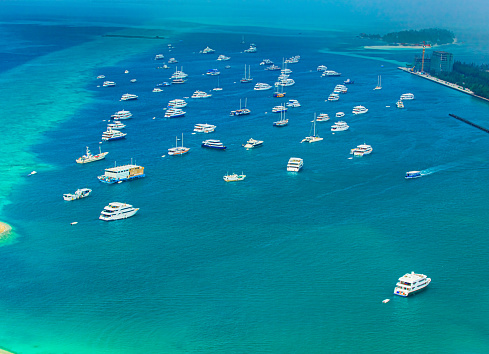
x,y
4,229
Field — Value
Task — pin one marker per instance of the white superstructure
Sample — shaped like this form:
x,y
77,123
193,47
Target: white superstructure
x,y
359,110
339,126
411,283
407,96
361,150
295,164
117,211
204,128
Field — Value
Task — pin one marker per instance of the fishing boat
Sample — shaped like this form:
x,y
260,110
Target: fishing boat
x,y
411,283
252,143
80,193
234,177
245,78
89,157
178,150
379,83
213,144
241,111
314,137
112,134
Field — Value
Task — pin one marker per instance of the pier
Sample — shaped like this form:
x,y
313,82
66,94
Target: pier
x,y
469,122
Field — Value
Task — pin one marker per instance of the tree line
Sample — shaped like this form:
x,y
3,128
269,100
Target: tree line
x,y
474,77
428,36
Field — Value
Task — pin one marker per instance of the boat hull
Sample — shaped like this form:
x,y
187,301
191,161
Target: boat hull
x,y
404,293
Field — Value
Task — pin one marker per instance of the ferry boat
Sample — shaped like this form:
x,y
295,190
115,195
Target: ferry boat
x,y
293,103
80,193
178,150
340,115
322,117
278,109
413,174
88,157
286,82
201,94
330,73
272,68
112,134
339,126
174,113
223,58
172,61
359,110
282,122
407,96
204,128
295,164
213,72
361,150
411,283
207,50
262,86
241,111
159,56
314,137
333,97
322,68
117,211
234,177
121,174
121,115
177,103
252,143
348,82
108,83
213,144
266,62
400,104
116,125
128,96
251,49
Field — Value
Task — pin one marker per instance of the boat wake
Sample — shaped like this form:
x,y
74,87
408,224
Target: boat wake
x,y
439,168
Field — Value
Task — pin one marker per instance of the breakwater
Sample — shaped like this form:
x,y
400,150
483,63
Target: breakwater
x,y
469,122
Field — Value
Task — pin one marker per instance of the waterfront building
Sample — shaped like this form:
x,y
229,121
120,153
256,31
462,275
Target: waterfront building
x,y
420,66
441,62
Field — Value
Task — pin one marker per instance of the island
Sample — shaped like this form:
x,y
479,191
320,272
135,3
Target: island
x,y
414,38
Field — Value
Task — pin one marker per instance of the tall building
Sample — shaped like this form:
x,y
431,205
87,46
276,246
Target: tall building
x,y
441,61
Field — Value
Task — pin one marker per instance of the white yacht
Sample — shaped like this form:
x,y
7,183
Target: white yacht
x,y
201,94
121,115
213,144
117,211
234,177
293,103
286,71
179,74
286,82
333,97
411,283
116,125
278,109
128,96
80,193
251,143
322,68
400,104
108,83
101,77
204,128
262,86
361,150
207,50
322,117
177,103
359,110
407,96
112,134
213,72
223,58
174,113
340,115
314,137
340,89
266,62
295,164
251,49
330,73
178,150
339,126
89,157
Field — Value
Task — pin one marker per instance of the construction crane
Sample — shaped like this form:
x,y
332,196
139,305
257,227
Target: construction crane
x,y
422,58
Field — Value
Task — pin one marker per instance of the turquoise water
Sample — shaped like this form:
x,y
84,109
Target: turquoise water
x,y
281,262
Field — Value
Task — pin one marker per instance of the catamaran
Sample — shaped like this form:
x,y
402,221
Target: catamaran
x,y
314,137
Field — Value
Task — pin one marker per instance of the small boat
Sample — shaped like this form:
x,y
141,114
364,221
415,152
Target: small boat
x,y
207,50
213,72
293,103
218,88
172,61
241,111
340,115
178,150
201,94
117,211
407,96
314,137
112,134
101,77
174,113
411,283
379,83
157,89
32,173
348,82
262,86
223,58
295,164
245,78
88,157
359,110
133,80
361,150
321,68
108,84
386,301
177,103
333,97
80,193
278,109
251,49
128,96
266,62
322,117
413,174
400,104
286,82
116,125
204,128
339,126
213,144
252,143
234,177
178,81
159,56
126,71
120,115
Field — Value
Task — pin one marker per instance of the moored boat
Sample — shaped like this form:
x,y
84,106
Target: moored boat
x,y
89,157
178,150
174,113
407,96
116,125
251,143
295,164
213,144
359,110
361,150
322,117
411,283
201,94
112,134
234,177
121,173
204,128
339,126
117,211
119,115
108,84
80,193
128,97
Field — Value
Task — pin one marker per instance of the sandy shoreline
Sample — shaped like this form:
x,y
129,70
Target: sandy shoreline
x,y
4,229
5,352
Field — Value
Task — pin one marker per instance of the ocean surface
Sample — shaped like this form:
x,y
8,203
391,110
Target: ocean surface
x,y
278,263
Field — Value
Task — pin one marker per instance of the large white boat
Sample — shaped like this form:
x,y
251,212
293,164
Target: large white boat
x,y
340,89
272,67
204,128
80,193
322,117
333,97
330,73
241,111
207,50
128,96
339,126
174,113
293,103
121,115
157,89
179,74
178,150
411,283
89,157
251,143
112,134
121,173
223,58
108,83
361,150
322,68
234,177
359,110
117,211
262,86
213,144
116,125
286,71
201,94
407,96
295,164
266,62
159,56
251,49
177,103
314,137
286,82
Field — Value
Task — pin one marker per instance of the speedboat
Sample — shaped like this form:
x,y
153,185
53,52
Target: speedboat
x,y
411,283
213,144
321,68
340,115
333,97
413,174
330,73
251,143
348,82
201,94
112,134
234,177
128,96
133,80
293,103
322,117
80,193
89,157
407,96
262,86
121,115
223,57
295,164
361,150
339,126
207,50
400,104
116,125
174,113
178,150
177,103
204,128
278,109
159,56
117,211
213,72
108,83
359,110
